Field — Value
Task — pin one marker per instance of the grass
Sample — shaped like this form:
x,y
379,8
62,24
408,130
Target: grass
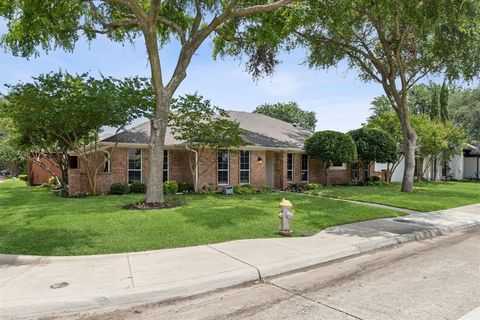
x,y
427,196
34,221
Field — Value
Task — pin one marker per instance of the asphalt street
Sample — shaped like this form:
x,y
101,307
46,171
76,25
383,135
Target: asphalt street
x,y
429,279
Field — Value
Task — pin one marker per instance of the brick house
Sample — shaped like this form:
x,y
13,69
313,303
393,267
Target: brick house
x,y
273,157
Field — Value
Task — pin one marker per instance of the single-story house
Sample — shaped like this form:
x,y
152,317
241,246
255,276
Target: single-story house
x,y
273,156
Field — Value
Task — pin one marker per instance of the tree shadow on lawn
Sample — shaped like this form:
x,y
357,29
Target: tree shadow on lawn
x,y
24,239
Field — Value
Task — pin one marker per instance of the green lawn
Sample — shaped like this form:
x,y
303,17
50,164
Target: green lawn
x,y
34,221
427,196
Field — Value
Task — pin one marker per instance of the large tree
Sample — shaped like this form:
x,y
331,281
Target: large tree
x,y
394,43
464,106
289,112
51,23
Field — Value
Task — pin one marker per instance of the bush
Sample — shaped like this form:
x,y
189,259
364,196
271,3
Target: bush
x,y
170,187
137,187
264,189
22,177
244,189
312,186
53,182
296,187
185,187
119,188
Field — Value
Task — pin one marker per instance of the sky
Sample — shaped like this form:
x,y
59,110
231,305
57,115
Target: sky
x,y
340,100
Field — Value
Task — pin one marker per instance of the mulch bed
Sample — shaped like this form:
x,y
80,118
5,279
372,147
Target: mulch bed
x,y
152,206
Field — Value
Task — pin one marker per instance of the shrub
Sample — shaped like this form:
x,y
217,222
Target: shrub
x,y
53,182
312,186
119,188
264,189
244,189
137,187
185,187
296,187
170,187
22,177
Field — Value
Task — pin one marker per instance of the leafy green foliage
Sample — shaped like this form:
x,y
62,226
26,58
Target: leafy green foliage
x,y
137,187
444,113
119,188
375,144
289,112
465,111
185,187
195,120
170,187
11,158
435,105
331,147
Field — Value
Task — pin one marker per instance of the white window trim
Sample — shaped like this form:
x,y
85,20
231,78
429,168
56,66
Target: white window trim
x,y
249,166
338,168
168,164
293,168
228,169
141,165
307,170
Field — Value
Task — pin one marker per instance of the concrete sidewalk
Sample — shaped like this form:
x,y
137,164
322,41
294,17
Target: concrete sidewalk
x,y
27,283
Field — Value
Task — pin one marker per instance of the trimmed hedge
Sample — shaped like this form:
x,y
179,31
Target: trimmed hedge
x,y
170,187
138,187
119,188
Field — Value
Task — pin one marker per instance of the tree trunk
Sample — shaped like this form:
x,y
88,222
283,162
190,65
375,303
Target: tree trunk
x,y
409,144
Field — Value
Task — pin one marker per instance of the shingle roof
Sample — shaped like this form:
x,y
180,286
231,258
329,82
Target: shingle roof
x,y
259,130
472,148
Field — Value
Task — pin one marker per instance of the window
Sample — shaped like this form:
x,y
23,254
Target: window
x,y
165,165
73,162
289,167
222,167
134,165
338,166
304,168
106,163
244,166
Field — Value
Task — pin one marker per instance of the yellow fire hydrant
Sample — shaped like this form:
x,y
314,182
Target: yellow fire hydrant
x,y
285,215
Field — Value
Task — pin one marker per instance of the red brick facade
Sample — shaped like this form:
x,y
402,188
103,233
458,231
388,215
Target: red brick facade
x,y
179,170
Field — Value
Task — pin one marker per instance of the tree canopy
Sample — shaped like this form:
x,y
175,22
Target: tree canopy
x,y
48,24
374,144
289,112
58,112
331,147
394,43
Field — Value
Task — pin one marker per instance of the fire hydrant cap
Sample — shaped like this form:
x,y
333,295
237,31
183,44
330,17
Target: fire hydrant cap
x,y
285,203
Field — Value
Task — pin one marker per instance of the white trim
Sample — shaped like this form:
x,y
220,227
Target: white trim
x,y
293,168
338,168
141,164
240,167
227,170
302,170
168,164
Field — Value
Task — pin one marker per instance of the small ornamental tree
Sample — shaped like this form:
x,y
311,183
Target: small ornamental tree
x,y
201,127
375,145
11,158
331,147
59,113
289,112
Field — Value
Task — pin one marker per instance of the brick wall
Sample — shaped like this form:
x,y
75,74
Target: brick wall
x,y
258,171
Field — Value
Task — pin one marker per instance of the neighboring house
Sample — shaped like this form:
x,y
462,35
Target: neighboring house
x,y
273,157
464,166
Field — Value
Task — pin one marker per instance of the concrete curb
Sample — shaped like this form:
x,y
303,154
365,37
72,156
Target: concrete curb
x,y
58,306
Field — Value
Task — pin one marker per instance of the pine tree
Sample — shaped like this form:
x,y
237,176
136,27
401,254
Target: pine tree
x,y
444,103
434,105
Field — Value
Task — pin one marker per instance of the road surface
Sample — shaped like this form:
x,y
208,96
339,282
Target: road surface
x,y
431,279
